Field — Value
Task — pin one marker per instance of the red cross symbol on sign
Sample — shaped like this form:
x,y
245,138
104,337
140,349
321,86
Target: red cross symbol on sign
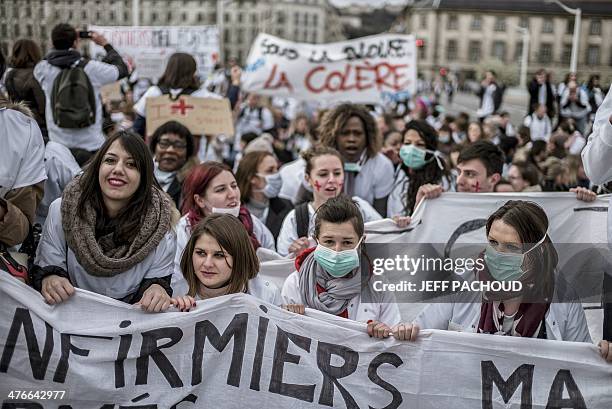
x,y
181,106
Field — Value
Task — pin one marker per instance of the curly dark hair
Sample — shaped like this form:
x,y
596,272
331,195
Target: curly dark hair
x,y
335,119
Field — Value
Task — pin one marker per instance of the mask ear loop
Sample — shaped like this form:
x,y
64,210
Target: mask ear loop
x,y
436,156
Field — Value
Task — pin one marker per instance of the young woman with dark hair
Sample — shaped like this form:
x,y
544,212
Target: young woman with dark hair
x,y
519,249
173,154
111,231
211,187
329,276
219,259
421,163
260,184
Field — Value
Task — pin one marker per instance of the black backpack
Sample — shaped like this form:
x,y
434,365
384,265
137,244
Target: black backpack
x,y
302,219
72,99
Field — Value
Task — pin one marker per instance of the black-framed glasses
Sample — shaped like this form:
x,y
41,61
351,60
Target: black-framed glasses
x,y
165,144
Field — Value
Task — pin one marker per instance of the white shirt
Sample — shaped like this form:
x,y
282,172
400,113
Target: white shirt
x,y
261,289
61,168
395,205
250,120
22,151
155,91
92,137
52,252
374,179
288,232
564,321
386,311
540,128
183,233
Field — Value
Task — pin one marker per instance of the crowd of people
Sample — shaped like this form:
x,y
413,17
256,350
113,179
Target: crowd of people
x,y
92,199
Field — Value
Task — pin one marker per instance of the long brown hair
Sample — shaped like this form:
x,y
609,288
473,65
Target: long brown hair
x,y
26,54
246,170
335,119
233,238
127,223
180,72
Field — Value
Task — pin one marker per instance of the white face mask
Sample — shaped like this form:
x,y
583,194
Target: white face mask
x,y
274,183
234,211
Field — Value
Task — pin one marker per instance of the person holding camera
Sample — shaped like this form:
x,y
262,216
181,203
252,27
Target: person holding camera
x,y
72,85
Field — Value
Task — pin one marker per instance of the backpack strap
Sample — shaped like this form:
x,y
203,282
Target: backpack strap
x,y
302,219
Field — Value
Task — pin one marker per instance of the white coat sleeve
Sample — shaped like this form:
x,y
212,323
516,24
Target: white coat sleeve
x,y
263,234
287,234
576,328
435,316
290,293
163,261
384,182
389,312
51,249
597,154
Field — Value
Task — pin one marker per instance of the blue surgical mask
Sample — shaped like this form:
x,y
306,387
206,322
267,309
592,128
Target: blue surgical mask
x,y
506,266
352,167
413,156
337,263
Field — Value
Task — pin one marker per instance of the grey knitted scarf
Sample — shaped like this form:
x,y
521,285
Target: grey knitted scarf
x,y
102,257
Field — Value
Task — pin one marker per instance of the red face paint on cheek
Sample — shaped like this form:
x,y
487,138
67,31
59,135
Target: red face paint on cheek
x,y
477,186
317,185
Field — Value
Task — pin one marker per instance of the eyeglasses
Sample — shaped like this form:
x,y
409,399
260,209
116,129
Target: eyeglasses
x,y
165,144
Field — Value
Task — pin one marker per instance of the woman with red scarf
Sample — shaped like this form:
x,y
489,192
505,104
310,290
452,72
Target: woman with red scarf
x,y
209,188
518,249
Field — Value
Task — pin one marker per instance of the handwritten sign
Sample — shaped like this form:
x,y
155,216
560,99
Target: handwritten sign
x,y
201,116
149,48
366,70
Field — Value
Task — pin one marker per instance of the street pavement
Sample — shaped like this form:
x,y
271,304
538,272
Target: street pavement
x,y
515,102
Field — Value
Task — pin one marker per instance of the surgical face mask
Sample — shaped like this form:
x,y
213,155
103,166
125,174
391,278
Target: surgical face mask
x,y
414,157
444,138
506,266
337,263
274,183
234,211
352,167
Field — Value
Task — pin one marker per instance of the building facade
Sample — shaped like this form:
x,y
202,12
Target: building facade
x,y
239,21
461,36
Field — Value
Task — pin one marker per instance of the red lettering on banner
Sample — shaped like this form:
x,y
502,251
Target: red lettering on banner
x,y
181,106
281,82
357,77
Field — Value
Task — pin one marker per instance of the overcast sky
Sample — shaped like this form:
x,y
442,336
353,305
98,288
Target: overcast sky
x,y
342,3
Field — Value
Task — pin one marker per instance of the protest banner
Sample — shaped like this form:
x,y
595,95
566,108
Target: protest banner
x,y
237,352
149,47
111,92
210,116
372,69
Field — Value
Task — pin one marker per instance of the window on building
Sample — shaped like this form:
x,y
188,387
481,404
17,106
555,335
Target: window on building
x,y
545,55
200,17
253,33
476,23
296,33
423,17
154,16
280,17
227,35
2,13
240,17
29,31
474,51
593,55
226,18
28,11
500,24
296,18
126,16
524,22
3,31
16,30
498,50
595,27
566,54
253,18
518,51
240,36
569,27
70,15
451,50
57,14
184,17
280,32
610,62
111,16
239,57
84,15
315,20
452,23
547,25
169,16
5,47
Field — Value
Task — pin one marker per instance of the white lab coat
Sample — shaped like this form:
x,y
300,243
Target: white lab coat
x,y
183,233
52,252
564,321
597,154
395,205
386,311
288,232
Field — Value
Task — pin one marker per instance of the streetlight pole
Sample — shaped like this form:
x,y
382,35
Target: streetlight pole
x,y
524,57
577,12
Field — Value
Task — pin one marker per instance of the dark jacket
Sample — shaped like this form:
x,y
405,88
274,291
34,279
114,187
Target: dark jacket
x,y
534,90
276,214
23,87
174,191
498,95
